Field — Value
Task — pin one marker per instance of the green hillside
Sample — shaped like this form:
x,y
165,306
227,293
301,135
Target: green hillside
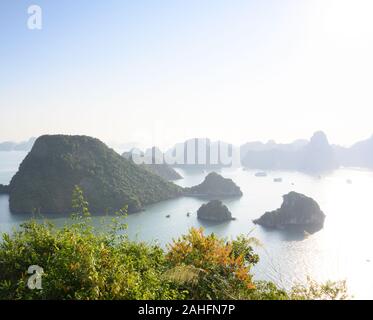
x,y
58,163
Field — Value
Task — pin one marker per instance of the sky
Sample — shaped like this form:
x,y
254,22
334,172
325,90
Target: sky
x,y
160,72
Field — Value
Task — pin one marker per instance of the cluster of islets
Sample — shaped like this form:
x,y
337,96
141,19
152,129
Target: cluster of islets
x,y
56,164
297,210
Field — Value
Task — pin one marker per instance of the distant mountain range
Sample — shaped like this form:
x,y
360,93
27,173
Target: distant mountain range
x,y
201,153
14,146
316,155
313,156
358,155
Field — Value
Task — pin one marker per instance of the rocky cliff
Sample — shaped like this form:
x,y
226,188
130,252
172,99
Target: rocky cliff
x,y
297,210
215,185
215,210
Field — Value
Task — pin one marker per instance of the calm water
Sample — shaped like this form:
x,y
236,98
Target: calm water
x,y
341,251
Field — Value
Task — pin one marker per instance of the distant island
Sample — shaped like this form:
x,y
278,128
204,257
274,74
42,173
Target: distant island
x,y
155,163
214,210
314,156
201,153
358,155
14,146
57,163
297,211
215,185
4,189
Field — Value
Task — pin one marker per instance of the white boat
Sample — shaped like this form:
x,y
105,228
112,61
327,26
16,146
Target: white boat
x,y
261,174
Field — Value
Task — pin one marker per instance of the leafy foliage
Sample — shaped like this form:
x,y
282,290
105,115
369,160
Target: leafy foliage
x,y
223,271
315,291
163,170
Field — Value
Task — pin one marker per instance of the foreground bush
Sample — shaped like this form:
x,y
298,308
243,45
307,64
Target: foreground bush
x,y
80,262
218,269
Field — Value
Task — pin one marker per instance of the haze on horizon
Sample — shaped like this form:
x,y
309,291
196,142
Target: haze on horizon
x,y
161,73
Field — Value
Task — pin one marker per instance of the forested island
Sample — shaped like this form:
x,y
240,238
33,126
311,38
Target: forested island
x,y
56,164
215,185
297,211
214,210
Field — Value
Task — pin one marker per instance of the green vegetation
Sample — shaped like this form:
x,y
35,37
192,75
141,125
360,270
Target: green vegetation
x,y
57,163
215,185
163,170
81,262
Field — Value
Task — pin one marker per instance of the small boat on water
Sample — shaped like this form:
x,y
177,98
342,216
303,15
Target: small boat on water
x,y
349,181
261,174
188,214
277,180
168,216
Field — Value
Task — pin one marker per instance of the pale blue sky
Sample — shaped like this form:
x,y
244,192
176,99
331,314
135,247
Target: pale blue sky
x,y
158,72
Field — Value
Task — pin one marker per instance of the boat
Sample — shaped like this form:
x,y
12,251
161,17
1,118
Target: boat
x,y
277,180
261,174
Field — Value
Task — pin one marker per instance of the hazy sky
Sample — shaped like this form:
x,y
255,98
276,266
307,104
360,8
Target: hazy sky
x,y
159,72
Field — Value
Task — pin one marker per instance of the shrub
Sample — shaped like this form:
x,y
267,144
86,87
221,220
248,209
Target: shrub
x,y
220,269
